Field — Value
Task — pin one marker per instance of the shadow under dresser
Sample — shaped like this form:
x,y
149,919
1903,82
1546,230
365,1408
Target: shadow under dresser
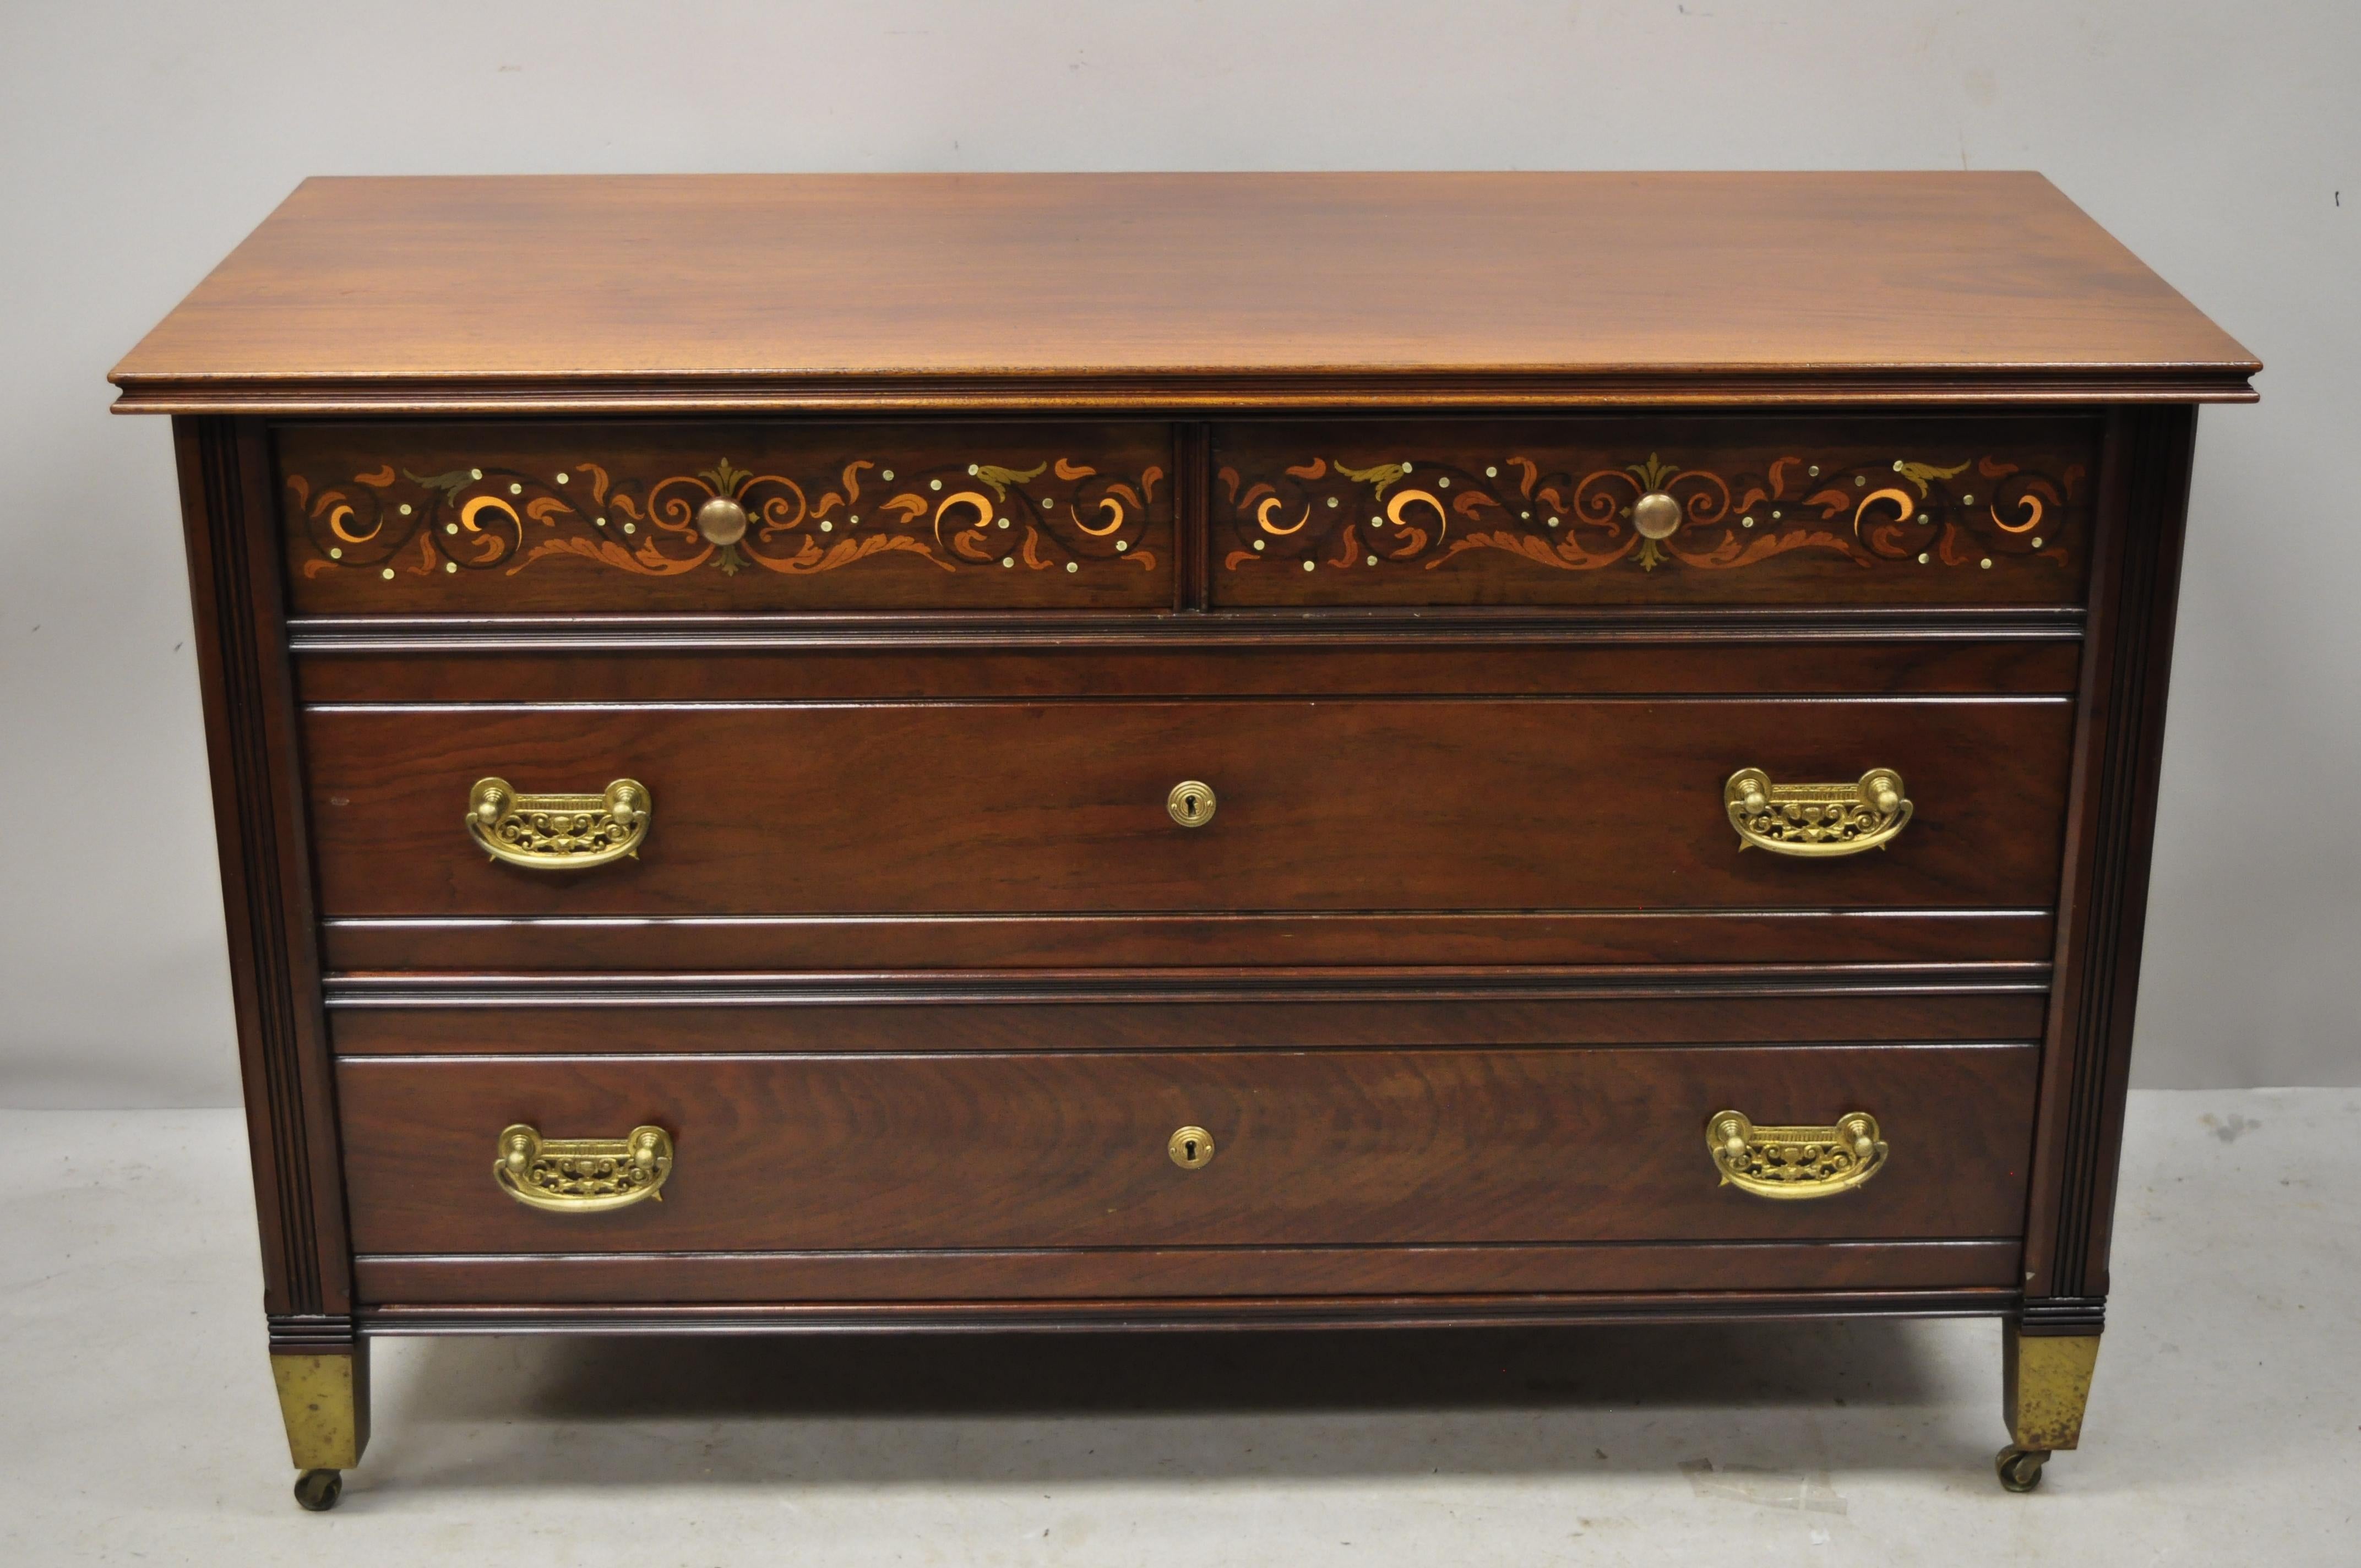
x,y
811,753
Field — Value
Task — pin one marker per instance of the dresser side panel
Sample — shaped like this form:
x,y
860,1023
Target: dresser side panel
x,y
238,596
2111,835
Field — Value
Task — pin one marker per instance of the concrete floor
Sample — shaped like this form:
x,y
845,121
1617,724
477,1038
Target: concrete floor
x,y
2226,1426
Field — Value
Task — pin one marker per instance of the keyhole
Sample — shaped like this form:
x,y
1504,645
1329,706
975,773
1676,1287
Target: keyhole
x,y
1191,803
1191,1147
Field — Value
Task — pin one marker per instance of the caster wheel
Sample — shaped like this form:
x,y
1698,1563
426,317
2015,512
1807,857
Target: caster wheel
x,y
317,1490
2020,1468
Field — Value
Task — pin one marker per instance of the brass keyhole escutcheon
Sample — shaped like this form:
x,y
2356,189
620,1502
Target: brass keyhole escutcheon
x,y
1191,1148
1191,802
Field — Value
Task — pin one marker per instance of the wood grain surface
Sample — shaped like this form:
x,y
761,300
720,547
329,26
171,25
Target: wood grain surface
x,y
1065,1150
1398,1310
1674,1008
1048,1275
979,807
268,917
522,665
776,943
749,290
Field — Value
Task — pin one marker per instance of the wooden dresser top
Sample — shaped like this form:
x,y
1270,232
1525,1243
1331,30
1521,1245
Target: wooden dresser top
x,y
618,293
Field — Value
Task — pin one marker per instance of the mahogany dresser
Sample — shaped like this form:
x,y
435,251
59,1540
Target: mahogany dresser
x,y
1141,752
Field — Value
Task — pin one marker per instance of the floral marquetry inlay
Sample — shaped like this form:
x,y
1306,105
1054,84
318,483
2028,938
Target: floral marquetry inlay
x,y
1056,515
1407,512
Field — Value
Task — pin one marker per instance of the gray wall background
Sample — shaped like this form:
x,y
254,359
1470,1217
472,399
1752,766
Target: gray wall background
x,y
138,142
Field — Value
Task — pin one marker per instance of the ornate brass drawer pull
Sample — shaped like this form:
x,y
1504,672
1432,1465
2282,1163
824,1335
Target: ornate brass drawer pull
x,y
1794,1162
558,832
582,1175
1816,819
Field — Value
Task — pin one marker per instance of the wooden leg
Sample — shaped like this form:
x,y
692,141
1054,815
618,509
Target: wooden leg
x,y
2044,1383
324,1399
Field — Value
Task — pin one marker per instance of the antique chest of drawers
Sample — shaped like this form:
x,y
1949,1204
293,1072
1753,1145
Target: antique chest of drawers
x,y
1142,752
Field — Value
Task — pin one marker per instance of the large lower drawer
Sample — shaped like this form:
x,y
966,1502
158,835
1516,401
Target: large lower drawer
x,y
1084,1149
981,807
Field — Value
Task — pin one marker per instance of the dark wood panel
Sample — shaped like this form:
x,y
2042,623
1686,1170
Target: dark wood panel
x,y
259,821
1798,628
692,942
1481,512
1641,1014
1151,1273
1424,665
1202,1314
1346,805
2118,760
1046,291
511,518
1340,1148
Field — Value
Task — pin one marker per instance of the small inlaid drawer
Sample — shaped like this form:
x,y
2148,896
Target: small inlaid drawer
x,y
1212,1149
1652,511
416,519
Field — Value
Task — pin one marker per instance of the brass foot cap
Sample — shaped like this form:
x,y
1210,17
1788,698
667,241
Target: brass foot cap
x,y
2020,1468
317,1490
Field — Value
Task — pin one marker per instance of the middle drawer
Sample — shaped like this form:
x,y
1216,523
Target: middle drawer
x,y
994,806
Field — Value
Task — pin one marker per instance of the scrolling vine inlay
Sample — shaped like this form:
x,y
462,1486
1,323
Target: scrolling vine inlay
x,y
1990,514
799,507
1054,514
1919,509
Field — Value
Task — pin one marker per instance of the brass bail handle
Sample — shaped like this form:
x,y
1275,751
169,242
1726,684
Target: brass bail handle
x,y
582,1175
1816,819
558,832
1794,1162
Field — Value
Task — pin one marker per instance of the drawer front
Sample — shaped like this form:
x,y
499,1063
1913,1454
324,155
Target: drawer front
x,y
1965,511
981,807
419,519
1077,1150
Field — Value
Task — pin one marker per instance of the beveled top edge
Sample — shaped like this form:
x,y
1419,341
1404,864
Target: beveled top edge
x,y
2029,387
910,291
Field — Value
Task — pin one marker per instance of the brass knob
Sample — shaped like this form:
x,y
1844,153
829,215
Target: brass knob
x,y
1191,803
1191,1148
492,800
722,521
1656,515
